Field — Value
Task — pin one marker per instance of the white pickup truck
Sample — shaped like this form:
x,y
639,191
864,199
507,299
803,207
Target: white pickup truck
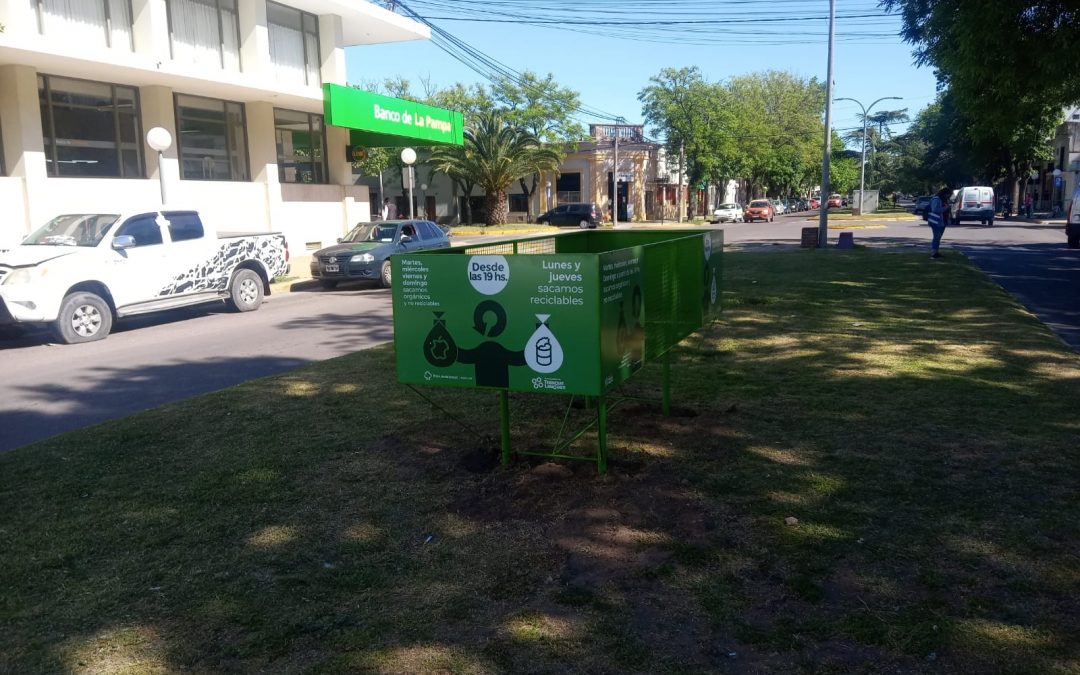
x,y
81,271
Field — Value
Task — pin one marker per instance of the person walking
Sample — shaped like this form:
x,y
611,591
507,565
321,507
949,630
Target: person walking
x,y
389,210
1027,204
938,218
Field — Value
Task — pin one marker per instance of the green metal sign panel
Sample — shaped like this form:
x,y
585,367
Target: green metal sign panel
x,y
574,314
383,121
519,322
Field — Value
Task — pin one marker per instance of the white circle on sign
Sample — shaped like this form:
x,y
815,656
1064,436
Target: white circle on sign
x,y
488,274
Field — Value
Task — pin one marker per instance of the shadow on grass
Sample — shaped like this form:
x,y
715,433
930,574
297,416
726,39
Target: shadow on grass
x,y
918,424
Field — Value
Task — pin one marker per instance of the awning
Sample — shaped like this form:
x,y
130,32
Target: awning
x,y
377,121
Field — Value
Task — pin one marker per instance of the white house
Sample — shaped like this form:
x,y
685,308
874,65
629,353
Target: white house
x,y
239,84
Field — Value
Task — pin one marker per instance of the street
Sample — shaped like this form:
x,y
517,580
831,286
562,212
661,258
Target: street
x,y
157,359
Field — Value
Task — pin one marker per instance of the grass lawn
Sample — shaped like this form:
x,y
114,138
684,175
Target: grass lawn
x,y
921,427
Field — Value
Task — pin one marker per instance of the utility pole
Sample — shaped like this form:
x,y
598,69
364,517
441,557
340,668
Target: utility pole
x,y
823,217
615,182
682,163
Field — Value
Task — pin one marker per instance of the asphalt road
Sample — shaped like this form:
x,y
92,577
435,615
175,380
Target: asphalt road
x,y
149,361
152,360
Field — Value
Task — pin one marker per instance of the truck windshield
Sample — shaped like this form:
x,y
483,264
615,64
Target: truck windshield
x,y
73,229
371,232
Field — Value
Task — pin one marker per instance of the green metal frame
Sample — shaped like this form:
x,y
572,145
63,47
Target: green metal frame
x,y
676,302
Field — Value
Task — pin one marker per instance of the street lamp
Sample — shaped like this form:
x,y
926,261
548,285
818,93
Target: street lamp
x,y
160,140
408,155
862,166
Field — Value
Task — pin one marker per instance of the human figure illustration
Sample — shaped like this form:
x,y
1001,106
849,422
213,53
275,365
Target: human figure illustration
x,y
491,359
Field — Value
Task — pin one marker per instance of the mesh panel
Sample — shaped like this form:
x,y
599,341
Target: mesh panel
x,y
536,246
492,249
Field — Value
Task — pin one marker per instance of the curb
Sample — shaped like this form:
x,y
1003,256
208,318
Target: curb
x,y
294,286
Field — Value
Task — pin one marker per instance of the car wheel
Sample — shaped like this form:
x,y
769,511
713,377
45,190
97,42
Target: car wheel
x,y
246,291
384,274
1074,241
990,222
583,224
771,219
328,284
84,317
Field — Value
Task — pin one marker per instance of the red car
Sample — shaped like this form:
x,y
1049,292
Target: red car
x,y
759,209
814,203
835,202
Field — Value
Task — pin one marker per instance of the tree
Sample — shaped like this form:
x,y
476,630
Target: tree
x,y
779,129
471,101
696,121
1011,66
496,154
542,108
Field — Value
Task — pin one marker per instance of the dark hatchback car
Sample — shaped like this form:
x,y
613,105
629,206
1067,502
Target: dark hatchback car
x,y
583,215
364,253
921,206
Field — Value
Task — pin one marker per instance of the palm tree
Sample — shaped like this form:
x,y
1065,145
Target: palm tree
x,y
496,154
454,162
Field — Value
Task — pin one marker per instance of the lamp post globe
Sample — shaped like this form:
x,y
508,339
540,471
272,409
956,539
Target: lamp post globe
x,y
408,155
159,139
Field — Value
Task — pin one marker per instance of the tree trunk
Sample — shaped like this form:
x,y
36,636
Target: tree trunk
x,y
456,218
467,188
529,192
497,208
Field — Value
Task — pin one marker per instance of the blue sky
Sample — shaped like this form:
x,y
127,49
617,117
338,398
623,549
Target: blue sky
x,y
609,71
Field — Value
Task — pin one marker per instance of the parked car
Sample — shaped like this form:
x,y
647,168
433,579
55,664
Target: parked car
x,y
814,203
584,215
835,201
364,253
921,206
778,207
973,203
759,209
81,271
728,212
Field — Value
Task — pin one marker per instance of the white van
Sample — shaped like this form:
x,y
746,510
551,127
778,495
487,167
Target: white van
x,y
973,203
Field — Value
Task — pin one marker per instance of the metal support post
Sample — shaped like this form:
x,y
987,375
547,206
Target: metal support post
x,y
823,216
601,436
666,402
504,419
412,180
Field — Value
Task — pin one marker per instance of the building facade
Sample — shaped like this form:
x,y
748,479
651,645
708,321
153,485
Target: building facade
x,y
239,85
647,186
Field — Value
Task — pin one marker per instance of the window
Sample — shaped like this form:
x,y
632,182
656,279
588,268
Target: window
x,y
430,230
205,32
90,128
211,139
294,45
519,202
97,23
568,187
143,228
301,147
184,226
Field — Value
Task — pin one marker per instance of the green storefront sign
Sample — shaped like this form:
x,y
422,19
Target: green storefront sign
x,y
574,314
377,121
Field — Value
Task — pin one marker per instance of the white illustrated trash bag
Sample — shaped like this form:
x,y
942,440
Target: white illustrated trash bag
x,y
543,353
